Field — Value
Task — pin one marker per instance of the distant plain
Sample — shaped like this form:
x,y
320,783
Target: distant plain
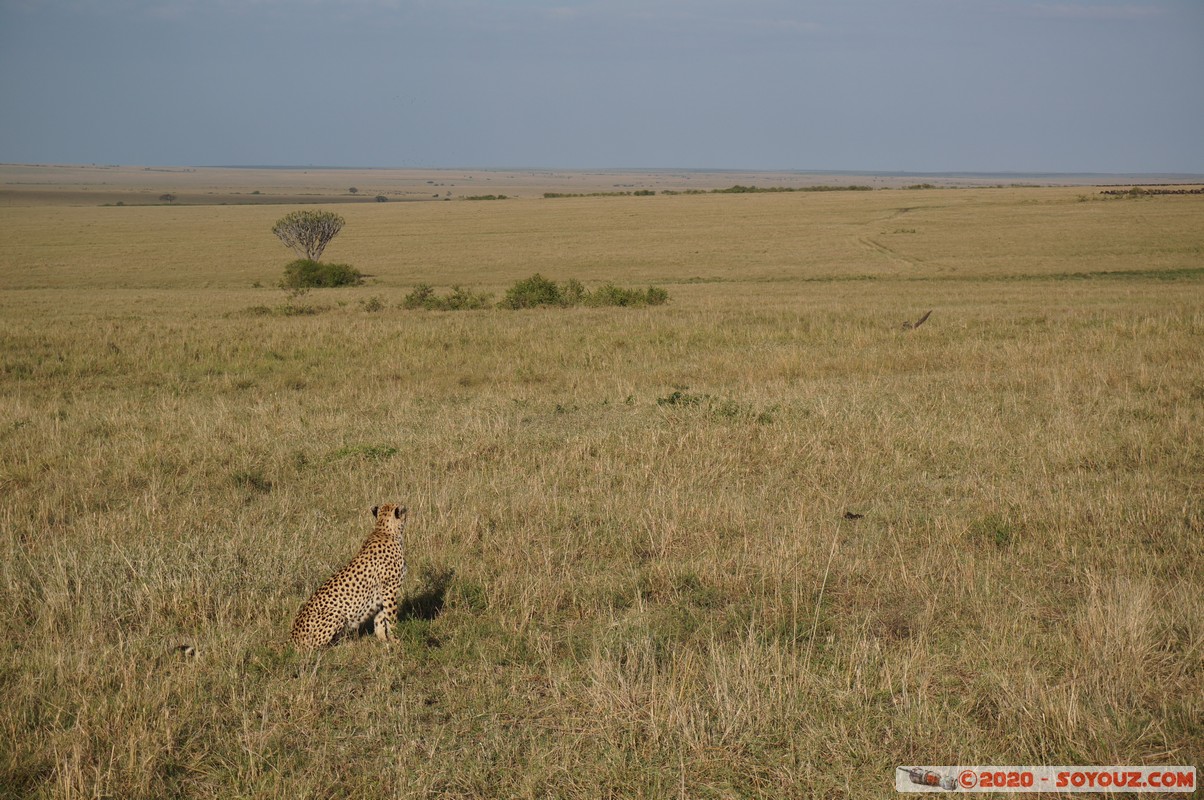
x,y
98,184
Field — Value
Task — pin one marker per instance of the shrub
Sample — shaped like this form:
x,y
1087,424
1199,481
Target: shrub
x,y
656,296
539,291
306,274
535,292
573,293
611,295
460,299
421,297
532,292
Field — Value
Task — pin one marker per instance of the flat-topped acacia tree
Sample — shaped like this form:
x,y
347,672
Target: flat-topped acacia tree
x,y
308,232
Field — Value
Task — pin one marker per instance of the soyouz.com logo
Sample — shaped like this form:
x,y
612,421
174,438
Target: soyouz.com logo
x,y
1046,779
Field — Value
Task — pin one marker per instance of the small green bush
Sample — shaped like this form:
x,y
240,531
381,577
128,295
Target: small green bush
x,y
656,296
421,297
306,274
460,299
573,293
532,292
609,294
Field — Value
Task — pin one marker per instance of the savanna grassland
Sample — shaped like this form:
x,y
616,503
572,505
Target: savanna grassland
x,y
762,541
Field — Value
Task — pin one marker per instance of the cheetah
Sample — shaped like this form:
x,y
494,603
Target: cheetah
x,y
364,589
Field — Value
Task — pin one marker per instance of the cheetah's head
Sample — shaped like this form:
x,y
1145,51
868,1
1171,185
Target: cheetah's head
x,y
390,516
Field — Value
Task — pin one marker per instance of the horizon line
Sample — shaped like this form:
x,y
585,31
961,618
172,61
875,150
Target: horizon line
x,y
947,173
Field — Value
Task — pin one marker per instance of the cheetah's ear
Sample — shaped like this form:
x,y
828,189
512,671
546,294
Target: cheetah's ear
x,y
375,509
397,512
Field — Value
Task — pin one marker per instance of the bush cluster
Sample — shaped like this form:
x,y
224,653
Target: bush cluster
x,y
636,193
737,189
534,292
539,291
307,274
610,295
459,299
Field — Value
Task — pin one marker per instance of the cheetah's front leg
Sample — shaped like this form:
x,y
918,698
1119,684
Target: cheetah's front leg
x,y
382,623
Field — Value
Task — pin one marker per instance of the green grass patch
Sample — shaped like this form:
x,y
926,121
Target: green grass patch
x,y
367,452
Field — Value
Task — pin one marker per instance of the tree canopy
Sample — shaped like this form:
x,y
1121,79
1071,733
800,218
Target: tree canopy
x,y
308,232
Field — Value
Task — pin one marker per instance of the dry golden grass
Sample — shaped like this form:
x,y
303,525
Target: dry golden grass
x,y
631,570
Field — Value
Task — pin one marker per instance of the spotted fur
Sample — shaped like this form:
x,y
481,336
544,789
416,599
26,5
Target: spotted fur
x,y
365,589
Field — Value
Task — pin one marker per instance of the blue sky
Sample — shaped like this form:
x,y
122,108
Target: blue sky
x,y
909,85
